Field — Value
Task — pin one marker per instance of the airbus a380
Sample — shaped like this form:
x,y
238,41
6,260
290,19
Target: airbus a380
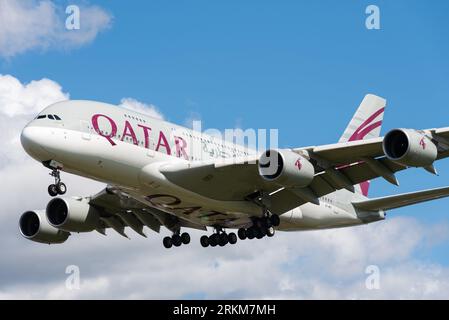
x,y
160,174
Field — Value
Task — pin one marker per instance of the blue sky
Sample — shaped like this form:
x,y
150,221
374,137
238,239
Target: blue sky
x,y
299,66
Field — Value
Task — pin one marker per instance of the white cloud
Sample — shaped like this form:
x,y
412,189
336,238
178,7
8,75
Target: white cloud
x,y
30,24
18,99
19,103
289,266
326,264
148,109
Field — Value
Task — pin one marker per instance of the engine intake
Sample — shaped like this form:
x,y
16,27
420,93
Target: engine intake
x,y
286,168
409,147
34,226
73,215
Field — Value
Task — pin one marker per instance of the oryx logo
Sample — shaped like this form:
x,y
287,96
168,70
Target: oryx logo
x,y
422,143
367,126
298,164
364,129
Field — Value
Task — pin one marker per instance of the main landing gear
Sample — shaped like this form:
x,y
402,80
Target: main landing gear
x,y
261,227
218,238
176,240
58,187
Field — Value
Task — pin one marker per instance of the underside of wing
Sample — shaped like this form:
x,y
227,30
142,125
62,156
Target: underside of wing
x,y
118,210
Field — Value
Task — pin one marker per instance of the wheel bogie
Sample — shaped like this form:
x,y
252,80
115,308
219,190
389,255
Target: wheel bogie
x,y
262,227
176,240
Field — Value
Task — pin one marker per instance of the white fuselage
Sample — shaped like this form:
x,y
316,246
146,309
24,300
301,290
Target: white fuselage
x,y
124,149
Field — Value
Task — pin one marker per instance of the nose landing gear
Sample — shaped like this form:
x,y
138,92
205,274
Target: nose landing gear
x,y
58,188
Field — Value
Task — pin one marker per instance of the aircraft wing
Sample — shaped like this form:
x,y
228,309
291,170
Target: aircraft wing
x,y
119,210
402,200
337,166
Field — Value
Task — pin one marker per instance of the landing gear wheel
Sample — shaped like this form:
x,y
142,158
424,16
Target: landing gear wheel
x,y
250,233
185,238
213,240
270,232
61,188
223,239
242,234
267,222
232,237
204,240
52,190
58,187
259,233
275,221
167,242
177,241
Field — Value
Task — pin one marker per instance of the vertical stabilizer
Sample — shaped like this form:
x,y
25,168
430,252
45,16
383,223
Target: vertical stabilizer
x,y
365,124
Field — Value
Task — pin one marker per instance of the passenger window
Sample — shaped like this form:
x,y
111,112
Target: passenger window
x,y
51,117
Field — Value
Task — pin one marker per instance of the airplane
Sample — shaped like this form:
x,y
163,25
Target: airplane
x,y
159,174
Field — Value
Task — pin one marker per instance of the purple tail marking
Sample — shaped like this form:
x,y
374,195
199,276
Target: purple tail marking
x,y
365,128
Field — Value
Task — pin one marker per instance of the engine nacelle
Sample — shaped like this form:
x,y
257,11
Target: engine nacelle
x,y
286,168
73,215
34,227
409,147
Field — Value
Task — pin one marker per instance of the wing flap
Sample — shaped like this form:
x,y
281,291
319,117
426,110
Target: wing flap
x,y
119,210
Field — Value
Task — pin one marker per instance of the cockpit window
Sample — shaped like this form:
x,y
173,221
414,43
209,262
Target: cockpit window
x,y
49,116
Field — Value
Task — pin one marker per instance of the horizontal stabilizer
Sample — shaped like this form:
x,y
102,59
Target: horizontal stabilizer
x,y
401,200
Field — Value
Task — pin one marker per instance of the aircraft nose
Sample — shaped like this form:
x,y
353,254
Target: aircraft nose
x,y
32,139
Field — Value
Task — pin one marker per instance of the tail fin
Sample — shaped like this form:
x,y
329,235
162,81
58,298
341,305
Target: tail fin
x,y
365,124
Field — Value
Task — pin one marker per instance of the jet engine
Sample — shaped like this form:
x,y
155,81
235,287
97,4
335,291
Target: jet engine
x,y
409,147
286,168
34,226
72,214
